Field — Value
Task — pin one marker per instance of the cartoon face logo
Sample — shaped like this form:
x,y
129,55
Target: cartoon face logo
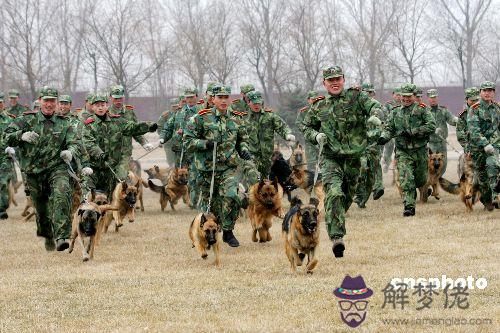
x,y
353,302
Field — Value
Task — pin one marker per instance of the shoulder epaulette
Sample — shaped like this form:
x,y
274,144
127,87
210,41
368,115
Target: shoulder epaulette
x,y
268,110
422,105
201,101
13,116
304,109
129,107
319,98
234,101
239,113
358,88
165,113
462,112
89,121
30,112
204,111
78,110
114,115
476,105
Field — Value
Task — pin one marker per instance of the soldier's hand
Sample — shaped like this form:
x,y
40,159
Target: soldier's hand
x,y
321,138
148,146
375,121
161,141
439,131
153,127
179,131
489,149
29,137
246,155
10,151
209,144
290,137
87,171
66,155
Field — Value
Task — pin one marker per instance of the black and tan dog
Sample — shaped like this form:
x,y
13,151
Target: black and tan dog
x,y
175,189
301,234
87,226
298,158
264,204
205,234
435,165
162,174
137,181
124,198
281,170
304,179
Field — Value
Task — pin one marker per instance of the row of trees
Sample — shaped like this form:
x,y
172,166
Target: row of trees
x,y
154,47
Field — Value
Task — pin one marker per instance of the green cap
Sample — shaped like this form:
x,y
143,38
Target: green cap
x,y
220,90
2,96
246,88
13,93
117,91
472,93
312,94
333,71
419,91
65,98
89,97
210,85
487,85
100,97
408,89
367,87
49,93
396,90
190,92
432,93
255,97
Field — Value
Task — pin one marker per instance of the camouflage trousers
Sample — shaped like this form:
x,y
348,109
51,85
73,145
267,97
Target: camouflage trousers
x,y
440,147
123,167
311,155
487,171
169,155
413,170
388,150
263,164
370,178
194,186
102,179
247,173
225,203
340,178
5,178
51,195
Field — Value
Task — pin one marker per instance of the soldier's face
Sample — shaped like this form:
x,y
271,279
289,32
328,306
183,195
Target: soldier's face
x,y
255,107
408,100
100,108
191,100
335,85
397,97
469,101
117,102
487,94
49,106
13,100
221,102
433,101
64,108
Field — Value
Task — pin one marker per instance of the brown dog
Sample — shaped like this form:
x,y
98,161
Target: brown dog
x,y
155,172
139,183
264,204
301,233
205,233
124,198
435,165
175,189
87,225
298,158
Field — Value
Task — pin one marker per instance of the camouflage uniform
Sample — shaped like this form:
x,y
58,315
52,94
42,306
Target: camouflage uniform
x,y
311,150
170,156
5,163
389,146
46,173
442,116
463,137
484,128
261,127
411,126
18,109
241,104
343,119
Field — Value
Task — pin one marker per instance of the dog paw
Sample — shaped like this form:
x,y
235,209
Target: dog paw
x,y
86,257
204,256
309,272
131,221
438,198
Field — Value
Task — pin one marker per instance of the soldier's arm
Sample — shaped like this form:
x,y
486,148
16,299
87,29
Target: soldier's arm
x,y
161,121
280,126
476,137
136,129
73,143
192,136
242,139
429,126
450,119
13,132
462,131
389,130
89,142
300,119
311,125
137,137
371,106
168,129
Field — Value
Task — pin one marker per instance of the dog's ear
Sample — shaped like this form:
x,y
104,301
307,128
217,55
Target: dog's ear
x,y
92,195
275,183
314,202
203,219
430,151
299,146
124,186
157,168
80,212
262,182
98,215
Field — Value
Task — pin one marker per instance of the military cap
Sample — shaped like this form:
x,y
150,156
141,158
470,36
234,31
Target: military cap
x,y
210,85
312,94
472,93
408,89
419,91
99,97
487,85
220,90
190,92
432,93
396,90
367,87
117,91
246,88
49,93
13,93
65,98
89,97
333,71
255,97
2,96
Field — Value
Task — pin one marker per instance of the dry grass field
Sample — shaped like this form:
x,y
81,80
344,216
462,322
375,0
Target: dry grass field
x,y
148,278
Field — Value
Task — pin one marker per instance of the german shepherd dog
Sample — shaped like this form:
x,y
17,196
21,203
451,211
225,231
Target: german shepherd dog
x,y
304,179
264,204
124,198
300,232
298,158
466,187
175,189
205,233
435,165
281,170
87,225
137,181
155,172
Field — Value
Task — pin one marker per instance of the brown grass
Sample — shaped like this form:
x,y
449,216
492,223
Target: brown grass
x,y
148,278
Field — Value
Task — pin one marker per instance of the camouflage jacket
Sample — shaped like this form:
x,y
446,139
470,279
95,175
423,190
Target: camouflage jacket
x,y
343,119
416,120
55,135
240,105
127,112
389,107
484,125
442,116
175,126
227,129
5,120
106,136
463,136
18,109
261,127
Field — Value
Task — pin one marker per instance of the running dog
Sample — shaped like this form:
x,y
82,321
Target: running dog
x,y
435,165
175,189
205,234
124,198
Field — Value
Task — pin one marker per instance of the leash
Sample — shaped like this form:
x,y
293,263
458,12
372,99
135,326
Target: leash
x,y
214,157
16,162
72,173
113,172
316,171
449,144
147,153
182,157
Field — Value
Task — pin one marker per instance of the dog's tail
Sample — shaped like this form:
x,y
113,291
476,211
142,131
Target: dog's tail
x,y
449,186
154,185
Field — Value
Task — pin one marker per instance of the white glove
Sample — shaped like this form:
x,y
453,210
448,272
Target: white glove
x,y
29,137
290,137
375,121
455,120
87,171
10,151
161,141
66,156
148,146
439,131
489,149
321,138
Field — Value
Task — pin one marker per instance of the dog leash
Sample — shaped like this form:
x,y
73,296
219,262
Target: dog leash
x,y
316,171
449,144
214,157
147,153
182,157
113,172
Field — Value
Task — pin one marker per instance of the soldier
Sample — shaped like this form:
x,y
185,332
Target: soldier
x,y
87,109
15,108
6,166
418,95
103,134
442,116
47,144
483,122
161,122
463,137
389,106
338,122
261,125
411,125
64,105
223,130
311,150
242,103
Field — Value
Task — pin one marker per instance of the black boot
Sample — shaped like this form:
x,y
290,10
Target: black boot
x,y
338,247
62,244
228,237
378,193
3,215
